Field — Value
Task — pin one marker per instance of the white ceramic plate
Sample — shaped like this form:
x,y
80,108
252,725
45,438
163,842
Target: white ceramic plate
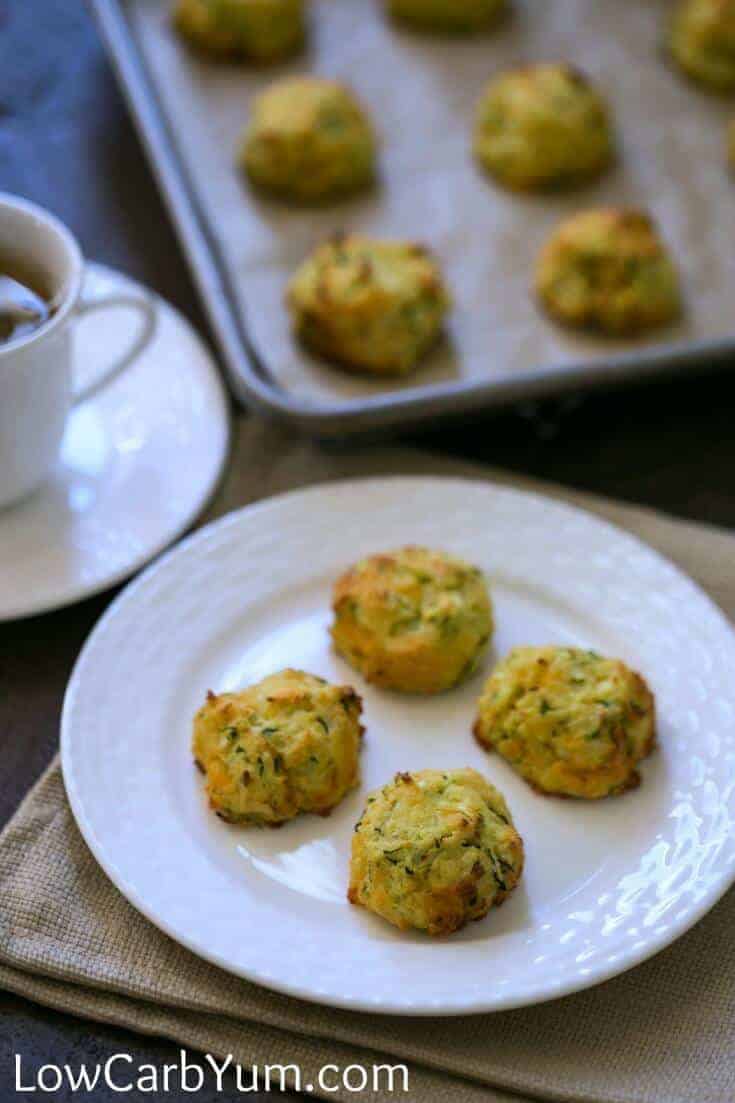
x,y
606,885
138,463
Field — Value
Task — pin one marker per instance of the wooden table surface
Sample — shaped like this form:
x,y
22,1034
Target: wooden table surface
x,y
66,142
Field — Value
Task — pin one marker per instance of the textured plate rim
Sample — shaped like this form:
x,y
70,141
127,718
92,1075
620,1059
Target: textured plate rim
x,y
627,960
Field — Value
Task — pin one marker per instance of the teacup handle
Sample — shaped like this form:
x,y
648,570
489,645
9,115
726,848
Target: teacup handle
x,y
88,304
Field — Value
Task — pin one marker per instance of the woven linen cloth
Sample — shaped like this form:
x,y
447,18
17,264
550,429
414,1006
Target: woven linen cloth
x,y
662,1033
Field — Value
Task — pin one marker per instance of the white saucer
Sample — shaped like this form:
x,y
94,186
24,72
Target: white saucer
x,y
138,463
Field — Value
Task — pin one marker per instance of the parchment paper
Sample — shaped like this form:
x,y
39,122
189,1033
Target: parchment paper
x,y
422,91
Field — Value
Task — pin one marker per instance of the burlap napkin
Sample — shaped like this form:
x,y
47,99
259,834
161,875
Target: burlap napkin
x,y
662,1033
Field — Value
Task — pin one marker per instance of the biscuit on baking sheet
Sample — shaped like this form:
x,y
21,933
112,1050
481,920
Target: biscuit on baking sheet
x,y
289,744
255,30
433,850
413,620
543,126
369,306
608,270
702,41
569,721
308,140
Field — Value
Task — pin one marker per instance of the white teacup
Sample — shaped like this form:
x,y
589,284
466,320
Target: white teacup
x,y
36,386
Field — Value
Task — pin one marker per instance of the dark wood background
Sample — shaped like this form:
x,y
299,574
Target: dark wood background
x,y
66,142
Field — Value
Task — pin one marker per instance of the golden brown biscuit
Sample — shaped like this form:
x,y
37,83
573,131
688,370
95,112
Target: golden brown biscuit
x,y
542,126
702,41
289,744
569,721
434,850
256,30
608,270
374,307
413,620
308,140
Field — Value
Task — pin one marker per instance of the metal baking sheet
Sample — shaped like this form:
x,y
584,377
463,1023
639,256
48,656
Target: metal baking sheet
x,y
422,92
